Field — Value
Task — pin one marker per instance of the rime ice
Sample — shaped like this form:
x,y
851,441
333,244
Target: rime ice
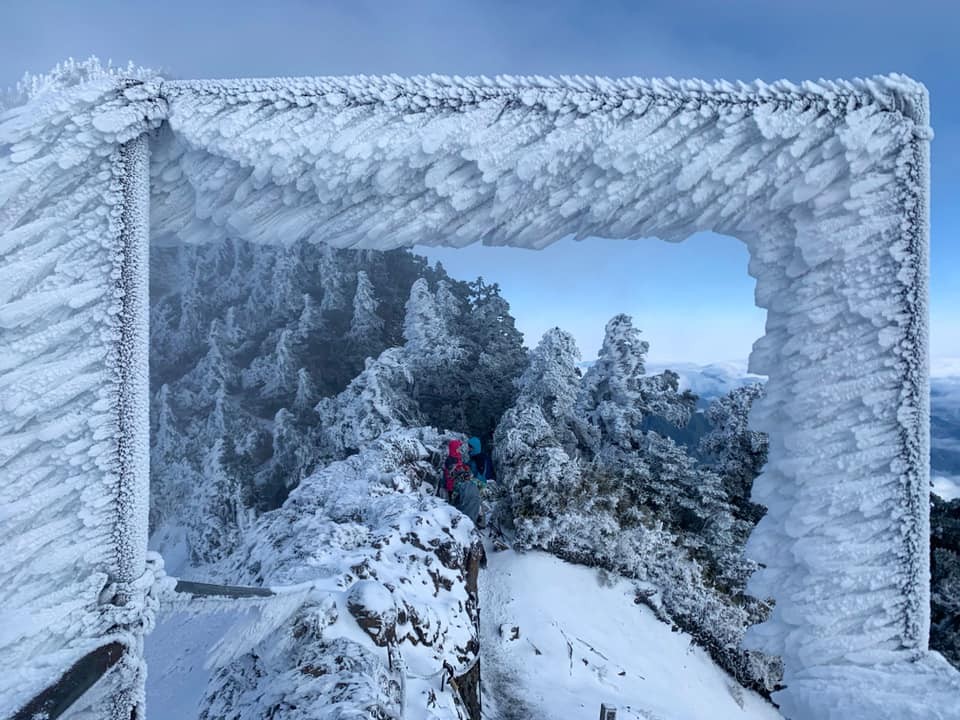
x,y
826,183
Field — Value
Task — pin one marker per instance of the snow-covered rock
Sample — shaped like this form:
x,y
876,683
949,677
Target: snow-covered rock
x,y
387,605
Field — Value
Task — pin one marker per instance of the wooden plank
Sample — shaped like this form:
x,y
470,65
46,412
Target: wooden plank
x,y
82,675
199,589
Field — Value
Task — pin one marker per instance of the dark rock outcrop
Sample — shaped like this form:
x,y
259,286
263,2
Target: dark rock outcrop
x,y
372,606
945,578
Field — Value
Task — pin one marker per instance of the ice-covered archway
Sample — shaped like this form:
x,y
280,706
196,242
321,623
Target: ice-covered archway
x,y
826,183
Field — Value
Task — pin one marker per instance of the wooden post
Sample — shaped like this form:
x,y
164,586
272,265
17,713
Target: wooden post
x,y
607,712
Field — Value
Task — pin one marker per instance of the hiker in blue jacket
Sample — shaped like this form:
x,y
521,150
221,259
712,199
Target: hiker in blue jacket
x,y
480,464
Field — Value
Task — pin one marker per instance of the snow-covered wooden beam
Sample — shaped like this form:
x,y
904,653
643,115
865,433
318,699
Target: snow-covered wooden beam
x,y
827,184
55,700
234,592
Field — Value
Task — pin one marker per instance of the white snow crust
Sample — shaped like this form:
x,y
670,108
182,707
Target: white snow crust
x,y
575,648
827,184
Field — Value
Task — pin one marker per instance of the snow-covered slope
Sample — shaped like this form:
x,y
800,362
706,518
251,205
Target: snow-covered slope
x,y
383,598
557,641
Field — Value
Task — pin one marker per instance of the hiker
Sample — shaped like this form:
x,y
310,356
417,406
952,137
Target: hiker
x,y
462,488
480,464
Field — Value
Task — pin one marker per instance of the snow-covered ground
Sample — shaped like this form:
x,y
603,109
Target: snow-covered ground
x,y
177,649
177,653
556,643
579,642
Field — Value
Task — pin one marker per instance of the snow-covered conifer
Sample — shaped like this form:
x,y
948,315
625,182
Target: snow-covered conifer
x,y
612,399
429,341
221,505
274,375
365,323
173,476
552,381
307,395
736,451
377,400
449,305
497,357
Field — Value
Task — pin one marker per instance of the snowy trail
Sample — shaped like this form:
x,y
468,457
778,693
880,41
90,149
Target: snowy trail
x,y
579,644
501,697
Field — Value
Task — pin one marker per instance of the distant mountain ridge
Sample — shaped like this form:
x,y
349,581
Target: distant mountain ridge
x,y
712,381
708,382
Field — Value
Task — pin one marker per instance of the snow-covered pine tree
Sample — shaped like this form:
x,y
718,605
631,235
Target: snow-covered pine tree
x,y
378,399
286,281
310,323
617,396
306,397
663,399
174,476
449,305
429,341
735,451
551,382
273,376
366,326
435,353
611,399
295,452
496,357
329,266
221,502
540,477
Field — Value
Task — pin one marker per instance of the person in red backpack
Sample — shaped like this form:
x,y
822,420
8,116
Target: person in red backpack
x,y
458,480
454,468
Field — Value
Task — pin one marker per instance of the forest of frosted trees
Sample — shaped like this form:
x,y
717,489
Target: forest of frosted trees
x,y
267,362
270,363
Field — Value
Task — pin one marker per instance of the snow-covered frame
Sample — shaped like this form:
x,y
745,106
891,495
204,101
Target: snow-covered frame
x,y
827,183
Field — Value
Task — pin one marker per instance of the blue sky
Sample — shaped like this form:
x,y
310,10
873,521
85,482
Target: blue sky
x,y
693,300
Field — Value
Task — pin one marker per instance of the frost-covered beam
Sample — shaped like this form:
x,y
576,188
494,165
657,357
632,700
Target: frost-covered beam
x,y
388,162
826,183
204,590
75,682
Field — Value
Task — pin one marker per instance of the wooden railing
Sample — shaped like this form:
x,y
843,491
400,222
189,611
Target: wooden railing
x,y
84,674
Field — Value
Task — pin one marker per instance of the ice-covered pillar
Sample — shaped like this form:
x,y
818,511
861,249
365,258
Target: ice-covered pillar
x,y
845,543
74,201
128,362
